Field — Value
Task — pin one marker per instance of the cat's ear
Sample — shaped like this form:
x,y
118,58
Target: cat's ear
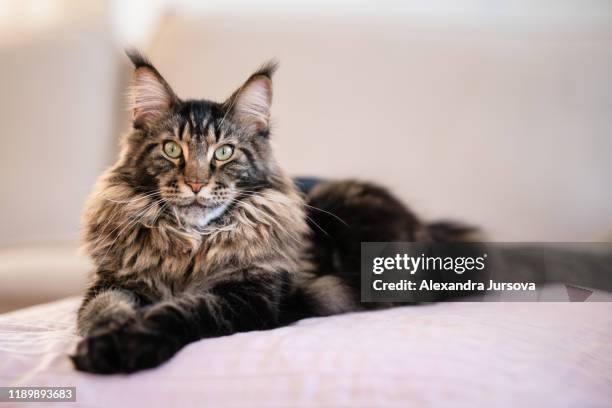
x,y
150,96
250,104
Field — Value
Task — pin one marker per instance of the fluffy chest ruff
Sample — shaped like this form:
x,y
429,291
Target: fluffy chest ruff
x,y
136,236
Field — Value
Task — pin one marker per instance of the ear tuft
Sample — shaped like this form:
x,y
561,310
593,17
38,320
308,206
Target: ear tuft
x,y
138,59
150,95
267,69
251,103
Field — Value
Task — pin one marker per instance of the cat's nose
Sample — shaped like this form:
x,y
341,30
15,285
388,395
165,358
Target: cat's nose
x,y
196,186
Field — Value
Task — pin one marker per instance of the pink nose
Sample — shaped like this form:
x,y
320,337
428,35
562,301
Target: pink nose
x,y
195,186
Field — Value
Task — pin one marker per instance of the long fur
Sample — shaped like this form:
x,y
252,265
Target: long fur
x,y
248,251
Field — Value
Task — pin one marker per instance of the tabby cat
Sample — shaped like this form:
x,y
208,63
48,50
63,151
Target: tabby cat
x,y
197,232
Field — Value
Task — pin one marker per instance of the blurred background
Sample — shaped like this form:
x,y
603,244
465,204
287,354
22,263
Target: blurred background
x,y
497,113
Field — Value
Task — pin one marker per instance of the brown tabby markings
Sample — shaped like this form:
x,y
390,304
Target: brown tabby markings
x,y
192,245
266,230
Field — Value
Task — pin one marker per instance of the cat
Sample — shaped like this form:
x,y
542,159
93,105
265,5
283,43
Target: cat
x,y
197,232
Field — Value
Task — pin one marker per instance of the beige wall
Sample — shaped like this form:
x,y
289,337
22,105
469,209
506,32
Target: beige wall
x,y
507,128
59,119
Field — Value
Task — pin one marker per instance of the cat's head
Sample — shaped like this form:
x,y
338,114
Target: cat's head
x,y
198,156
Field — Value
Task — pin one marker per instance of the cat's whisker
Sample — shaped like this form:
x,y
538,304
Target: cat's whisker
x,y
117,213
131,200
131,219
262,194
260,211
268,218
255,193
178,219
309,218
157,216
139,197
134,219
318,226
249,206
327,212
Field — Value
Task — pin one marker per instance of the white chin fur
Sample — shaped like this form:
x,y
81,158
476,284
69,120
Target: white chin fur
x,y
200,217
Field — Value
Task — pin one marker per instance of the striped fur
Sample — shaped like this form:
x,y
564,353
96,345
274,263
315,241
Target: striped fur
x,y
176,263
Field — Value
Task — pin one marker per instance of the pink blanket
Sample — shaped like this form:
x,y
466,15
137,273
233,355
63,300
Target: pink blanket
x,y
460,354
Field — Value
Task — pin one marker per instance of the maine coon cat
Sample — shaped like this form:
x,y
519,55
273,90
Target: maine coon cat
x,y
197,232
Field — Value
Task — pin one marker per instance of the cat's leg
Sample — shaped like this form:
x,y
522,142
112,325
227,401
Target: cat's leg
x,y
250,302
229,307
312,295
106,309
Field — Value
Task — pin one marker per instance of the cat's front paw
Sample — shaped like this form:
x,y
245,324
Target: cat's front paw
x,y
124,350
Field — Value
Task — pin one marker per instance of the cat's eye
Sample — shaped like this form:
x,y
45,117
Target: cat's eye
x,y
224,152
172,149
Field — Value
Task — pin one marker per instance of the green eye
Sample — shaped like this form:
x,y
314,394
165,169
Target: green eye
x,y
172,149
224,152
